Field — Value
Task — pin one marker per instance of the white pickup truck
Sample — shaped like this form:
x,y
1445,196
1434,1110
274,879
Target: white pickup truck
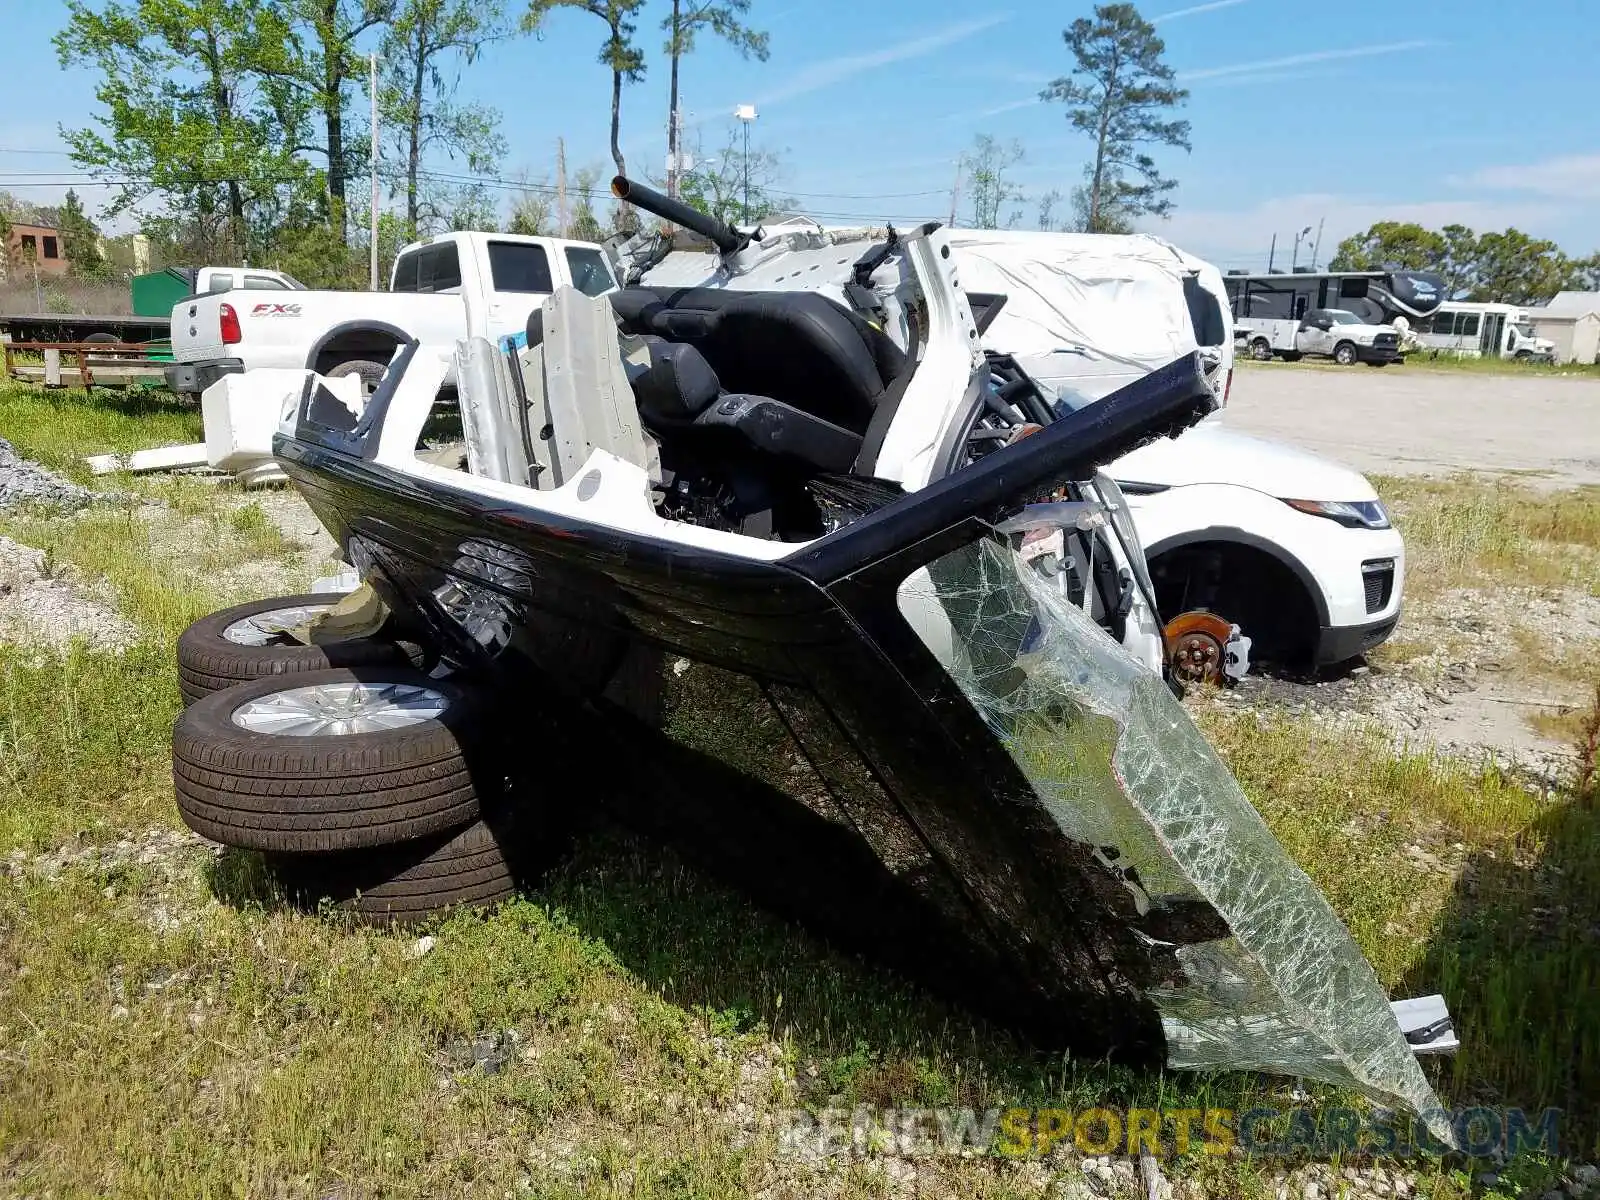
x,y
1332,333
449,287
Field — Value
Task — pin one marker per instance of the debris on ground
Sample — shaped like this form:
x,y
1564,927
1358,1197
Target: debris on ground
x,y
41,602
23,481
163,458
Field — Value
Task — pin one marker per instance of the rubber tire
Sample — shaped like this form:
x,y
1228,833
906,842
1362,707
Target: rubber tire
x,y
208,662
480,865
292,794
1261,350
371,373
1349,361
101,339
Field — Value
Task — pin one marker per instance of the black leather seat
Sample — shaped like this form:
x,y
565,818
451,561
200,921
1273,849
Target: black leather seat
x,y
679,395
799,348
677,386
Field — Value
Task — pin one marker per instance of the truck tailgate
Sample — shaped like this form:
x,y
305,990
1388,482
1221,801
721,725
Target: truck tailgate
x,y
197,328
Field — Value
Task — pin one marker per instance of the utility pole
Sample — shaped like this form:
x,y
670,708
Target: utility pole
x,y
1317,249
955,194
372,62
1272,253
561,187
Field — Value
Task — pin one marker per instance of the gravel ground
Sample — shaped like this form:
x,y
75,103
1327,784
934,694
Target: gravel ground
x,y
23,481
296,521
1399,422
39,604
1469,695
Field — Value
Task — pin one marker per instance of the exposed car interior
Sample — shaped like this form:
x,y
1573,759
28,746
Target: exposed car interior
x,y
759,413
760,403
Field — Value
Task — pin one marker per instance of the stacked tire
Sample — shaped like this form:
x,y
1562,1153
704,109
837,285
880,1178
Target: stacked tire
x,y
249,641
369,785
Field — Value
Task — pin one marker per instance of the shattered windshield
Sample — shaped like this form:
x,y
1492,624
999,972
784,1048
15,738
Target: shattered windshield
x,y
1257,972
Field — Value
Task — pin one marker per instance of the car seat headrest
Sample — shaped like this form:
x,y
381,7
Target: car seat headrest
x,y
678,385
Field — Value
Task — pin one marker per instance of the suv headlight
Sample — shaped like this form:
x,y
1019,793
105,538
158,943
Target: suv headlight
x,y
1356,514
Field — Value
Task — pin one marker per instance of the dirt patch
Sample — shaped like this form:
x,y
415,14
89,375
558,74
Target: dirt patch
x,y
287,509
44,603
1465,673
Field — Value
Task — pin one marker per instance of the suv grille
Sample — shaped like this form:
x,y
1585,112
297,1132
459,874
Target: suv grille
x,y
1377,577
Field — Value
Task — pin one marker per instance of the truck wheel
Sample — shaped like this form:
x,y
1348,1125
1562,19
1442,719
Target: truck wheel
x,y
334,760
1260,350
243,643
371,373
1345,354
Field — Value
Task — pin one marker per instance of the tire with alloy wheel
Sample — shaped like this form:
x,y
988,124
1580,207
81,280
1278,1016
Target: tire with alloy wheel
x,y
1345,354
1261,350
246,642
482,864
334,760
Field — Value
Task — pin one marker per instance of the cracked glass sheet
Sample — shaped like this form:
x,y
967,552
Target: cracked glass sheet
x,y
1119,764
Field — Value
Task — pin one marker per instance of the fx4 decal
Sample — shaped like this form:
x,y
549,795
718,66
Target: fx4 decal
x,y
275,310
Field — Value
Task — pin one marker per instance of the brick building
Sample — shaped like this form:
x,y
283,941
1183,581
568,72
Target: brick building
x,y
42,243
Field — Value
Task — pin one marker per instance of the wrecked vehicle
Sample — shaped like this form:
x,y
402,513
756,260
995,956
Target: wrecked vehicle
x,y
1296,551
763,575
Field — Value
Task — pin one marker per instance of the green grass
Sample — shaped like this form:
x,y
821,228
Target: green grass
x,y
1463,530
84,744
1500,911
168,1029
61,427
167,564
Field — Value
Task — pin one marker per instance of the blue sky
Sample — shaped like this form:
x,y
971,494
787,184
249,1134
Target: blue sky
x,y
1435,111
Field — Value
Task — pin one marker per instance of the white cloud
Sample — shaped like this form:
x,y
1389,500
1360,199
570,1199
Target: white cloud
x,y
1241,237
830,71
1194,11
1230,81
978,114
1569,177
1296,60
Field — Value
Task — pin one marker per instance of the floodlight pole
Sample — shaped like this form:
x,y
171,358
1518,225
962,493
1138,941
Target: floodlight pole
x,y
746,114
1298,238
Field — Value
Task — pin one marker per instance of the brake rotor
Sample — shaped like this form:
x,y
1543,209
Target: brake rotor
x,y
1196,644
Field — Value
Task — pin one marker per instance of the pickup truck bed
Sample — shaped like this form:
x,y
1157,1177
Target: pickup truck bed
x,y
450,287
